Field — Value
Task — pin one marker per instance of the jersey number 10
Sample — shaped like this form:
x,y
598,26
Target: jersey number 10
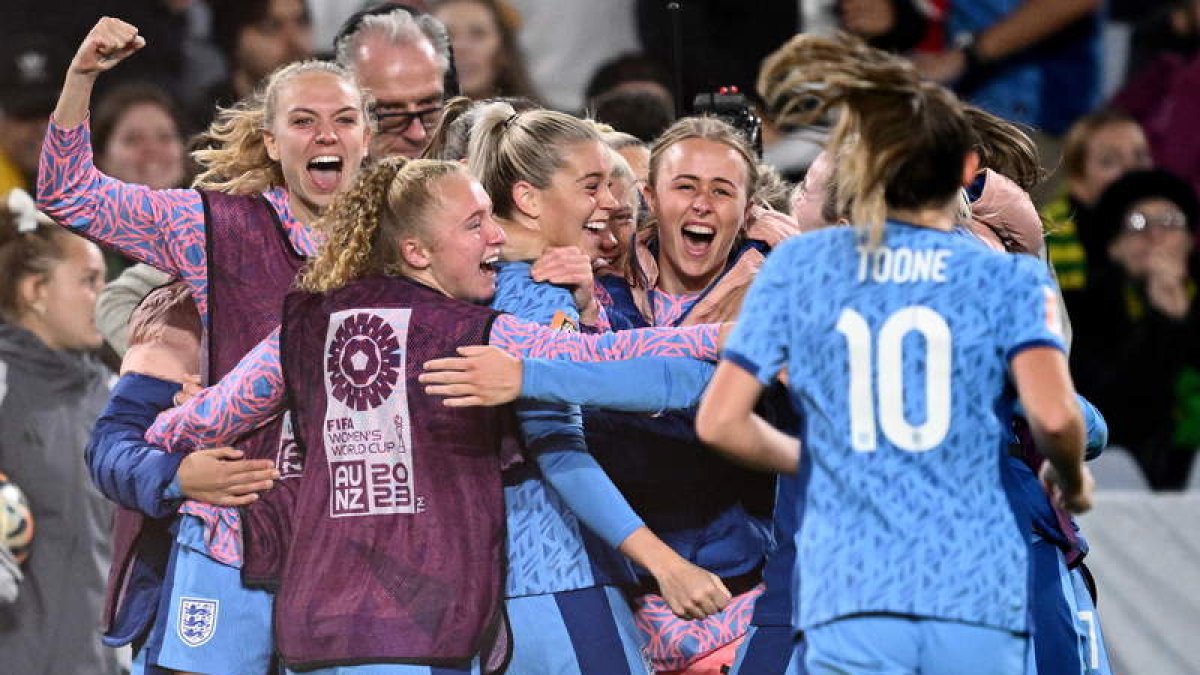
x,y
886,375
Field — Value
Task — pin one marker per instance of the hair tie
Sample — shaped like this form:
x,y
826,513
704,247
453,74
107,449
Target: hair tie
x,y
24,211
511,118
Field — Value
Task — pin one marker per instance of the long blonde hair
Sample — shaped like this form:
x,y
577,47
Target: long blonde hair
x,y
232,151
387,202
507,146
901,142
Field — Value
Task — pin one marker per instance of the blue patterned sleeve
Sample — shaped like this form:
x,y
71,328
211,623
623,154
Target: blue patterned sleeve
x,y
758,343
1027,310
553,433
658,383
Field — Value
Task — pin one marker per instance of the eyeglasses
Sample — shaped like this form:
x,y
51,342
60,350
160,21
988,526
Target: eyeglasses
x,y
1138,222
400,122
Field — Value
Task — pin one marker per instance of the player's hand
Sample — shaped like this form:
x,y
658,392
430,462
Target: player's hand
x,y
191,387
478,376
692,592
770,227
567,266
1074,496
220,476
109,42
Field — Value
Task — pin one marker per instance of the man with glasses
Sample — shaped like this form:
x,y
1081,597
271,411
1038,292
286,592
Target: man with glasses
x,y
402,58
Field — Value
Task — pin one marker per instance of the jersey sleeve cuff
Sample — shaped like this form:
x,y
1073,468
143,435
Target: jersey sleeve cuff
x,y
1030,344
745,363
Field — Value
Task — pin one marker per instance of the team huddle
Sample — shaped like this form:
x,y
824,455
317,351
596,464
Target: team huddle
x,y
548,400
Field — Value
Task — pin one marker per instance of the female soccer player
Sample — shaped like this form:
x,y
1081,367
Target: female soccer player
x,y
902,344
237,240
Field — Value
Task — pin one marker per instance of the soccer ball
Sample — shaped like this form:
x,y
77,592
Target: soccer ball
x,y
16,519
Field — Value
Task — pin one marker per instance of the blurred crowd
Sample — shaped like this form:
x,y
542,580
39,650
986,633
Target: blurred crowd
x,y
1105,90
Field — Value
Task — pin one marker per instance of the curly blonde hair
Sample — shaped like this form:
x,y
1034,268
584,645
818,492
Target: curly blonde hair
x,y
232,152
387,201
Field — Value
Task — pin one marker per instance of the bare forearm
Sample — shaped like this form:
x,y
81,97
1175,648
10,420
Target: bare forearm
x,y
1063,444
73,102
1029,24
753,442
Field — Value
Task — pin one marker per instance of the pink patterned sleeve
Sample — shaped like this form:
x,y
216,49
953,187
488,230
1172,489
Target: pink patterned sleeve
x,y
529,340
246,398
163,228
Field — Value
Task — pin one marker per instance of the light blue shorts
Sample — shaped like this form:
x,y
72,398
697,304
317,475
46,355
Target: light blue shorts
x,y
207,622
895,645
581,632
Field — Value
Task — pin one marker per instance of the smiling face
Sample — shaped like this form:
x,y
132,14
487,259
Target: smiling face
x,y
461,240
606,235
318,136
700,201
577,192
145,148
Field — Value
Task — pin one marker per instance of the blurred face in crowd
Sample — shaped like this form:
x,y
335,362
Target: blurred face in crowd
x,y
460,241
577,192
318,136
1154,240
407,84
21,141
700,201
477,45
60,307
282,36
145,148
1113,150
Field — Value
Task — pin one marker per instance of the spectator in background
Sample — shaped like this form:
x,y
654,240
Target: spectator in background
x,y
1033,62
1138,361
1098,149
642,114
55,390
29,80
403,59
632,93
631,72
1163,97
135,133
1172,28
256,37
486,52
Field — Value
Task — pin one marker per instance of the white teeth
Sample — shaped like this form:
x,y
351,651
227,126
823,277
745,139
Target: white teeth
x,y
601,262
492,259
595,225
701,230
324,161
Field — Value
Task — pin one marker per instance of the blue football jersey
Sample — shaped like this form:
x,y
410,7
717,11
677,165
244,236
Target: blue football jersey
x,y
897,358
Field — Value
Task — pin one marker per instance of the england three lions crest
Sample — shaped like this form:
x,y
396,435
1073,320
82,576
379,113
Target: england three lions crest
x,y
197,620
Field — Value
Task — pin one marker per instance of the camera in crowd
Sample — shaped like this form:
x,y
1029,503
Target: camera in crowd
x,y
731,106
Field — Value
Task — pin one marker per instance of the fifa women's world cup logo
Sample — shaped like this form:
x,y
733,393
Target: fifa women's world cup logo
x,y
367,429
364,361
